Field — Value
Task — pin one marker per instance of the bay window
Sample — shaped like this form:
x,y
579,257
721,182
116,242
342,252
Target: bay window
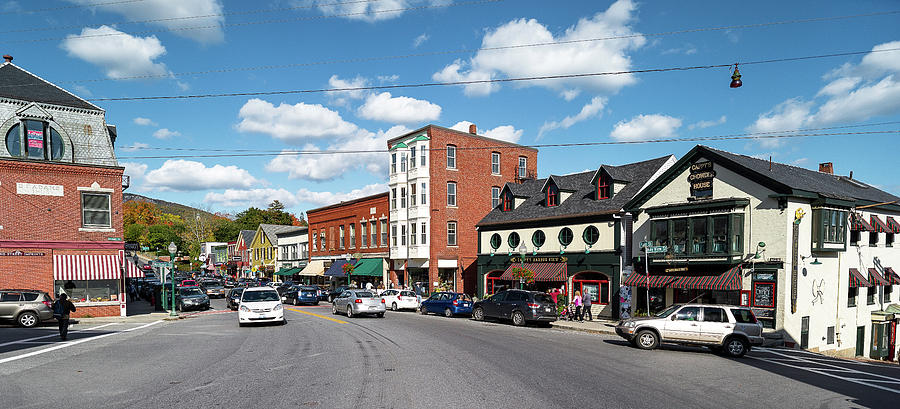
x,y
692,235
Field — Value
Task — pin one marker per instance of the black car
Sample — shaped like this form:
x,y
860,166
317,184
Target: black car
x,y
334,292
284,287
213,288
233,298
302,294
191,298
520,306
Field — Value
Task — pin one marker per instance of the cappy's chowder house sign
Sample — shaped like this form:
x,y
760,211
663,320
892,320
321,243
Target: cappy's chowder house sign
x,y
701,179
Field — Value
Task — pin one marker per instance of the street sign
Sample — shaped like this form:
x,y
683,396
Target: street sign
x,y
657,249
646,244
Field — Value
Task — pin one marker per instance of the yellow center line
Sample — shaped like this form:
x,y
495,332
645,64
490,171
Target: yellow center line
x,y
317,315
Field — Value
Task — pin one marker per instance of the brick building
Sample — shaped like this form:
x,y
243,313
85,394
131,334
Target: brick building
x,y
61,189
442,182
354,231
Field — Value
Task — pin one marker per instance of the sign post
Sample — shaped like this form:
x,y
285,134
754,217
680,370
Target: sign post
x,y
649,248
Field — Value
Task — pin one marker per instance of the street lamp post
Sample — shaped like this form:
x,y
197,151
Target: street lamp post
x,y
172,249
522,251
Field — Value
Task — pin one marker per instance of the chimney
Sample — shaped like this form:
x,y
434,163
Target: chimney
x,y
826,167
8,58
472,128
851,174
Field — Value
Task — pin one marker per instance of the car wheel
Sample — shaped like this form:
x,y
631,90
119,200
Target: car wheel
x,y
478,314
518,318
448,313
349,312
647,339
423,310
28,319
334,309
380,315
330,299
394,307
296,302
736,347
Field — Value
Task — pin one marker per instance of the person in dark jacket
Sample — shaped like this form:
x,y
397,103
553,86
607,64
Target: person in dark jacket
x,y
61,310
586,306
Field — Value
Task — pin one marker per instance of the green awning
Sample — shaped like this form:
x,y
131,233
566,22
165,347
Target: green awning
x,y
372,267
287,271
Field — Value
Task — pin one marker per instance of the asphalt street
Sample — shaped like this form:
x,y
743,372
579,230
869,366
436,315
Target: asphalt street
x,y
406,360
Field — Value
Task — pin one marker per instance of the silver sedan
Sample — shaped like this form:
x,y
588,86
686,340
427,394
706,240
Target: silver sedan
x,y
358,302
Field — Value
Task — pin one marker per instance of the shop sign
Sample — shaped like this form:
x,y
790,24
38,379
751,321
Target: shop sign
x,y
676,269
22,253
38,189
539,259
701,179
763,313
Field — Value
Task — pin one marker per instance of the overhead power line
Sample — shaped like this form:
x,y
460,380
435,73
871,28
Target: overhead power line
x,y
487,81
513,146
73,6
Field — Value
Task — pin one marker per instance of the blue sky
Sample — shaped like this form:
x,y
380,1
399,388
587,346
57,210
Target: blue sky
x,y
153,47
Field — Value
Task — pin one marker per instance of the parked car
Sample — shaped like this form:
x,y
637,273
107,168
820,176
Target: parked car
x,y
400,299
191,298
213,289
358,302
301,294
233,298
335,292
230,283
723,328
520,306
448,303
26,307
188,283
323,293
260,304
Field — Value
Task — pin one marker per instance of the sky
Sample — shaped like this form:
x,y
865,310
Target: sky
x,y
102,49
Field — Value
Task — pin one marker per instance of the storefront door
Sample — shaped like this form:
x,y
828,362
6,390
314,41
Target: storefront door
x,y
860,341
879,340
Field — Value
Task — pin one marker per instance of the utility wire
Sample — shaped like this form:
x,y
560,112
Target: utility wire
x,y
487,81
513,146
73,6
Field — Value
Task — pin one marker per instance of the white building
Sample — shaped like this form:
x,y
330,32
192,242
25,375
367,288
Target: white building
x,y
811,252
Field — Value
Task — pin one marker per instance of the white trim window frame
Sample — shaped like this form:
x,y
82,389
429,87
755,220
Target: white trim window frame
x,y
85,225
451,233
495,163
523,167
451,194
451,157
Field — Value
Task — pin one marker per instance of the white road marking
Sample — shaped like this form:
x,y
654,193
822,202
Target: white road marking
x,y
826,371
67,344
54,335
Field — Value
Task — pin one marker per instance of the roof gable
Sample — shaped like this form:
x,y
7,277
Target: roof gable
x,y
17,83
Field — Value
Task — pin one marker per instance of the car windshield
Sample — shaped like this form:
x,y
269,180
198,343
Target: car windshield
x,y
364,294
543,298
257,296
186,292
666,312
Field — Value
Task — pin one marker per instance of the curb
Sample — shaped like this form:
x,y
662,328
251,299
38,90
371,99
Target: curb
x,y
605,331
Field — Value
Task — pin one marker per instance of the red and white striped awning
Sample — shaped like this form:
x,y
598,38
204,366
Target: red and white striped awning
x,y
132,270
86,267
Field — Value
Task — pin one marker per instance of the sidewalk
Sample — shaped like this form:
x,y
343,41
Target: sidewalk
x,y
138,312
597,326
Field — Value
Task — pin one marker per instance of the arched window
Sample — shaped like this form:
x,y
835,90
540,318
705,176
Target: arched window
x,y
565,236
538,238
496,241
591,235
513,240
34,140
552,195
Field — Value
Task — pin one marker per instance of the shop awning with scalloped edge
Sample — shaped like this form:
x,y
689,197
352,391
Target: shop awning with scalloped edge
x,y
857,279
893,225
858,223
554,272
879,225
640,280
876,278
730,280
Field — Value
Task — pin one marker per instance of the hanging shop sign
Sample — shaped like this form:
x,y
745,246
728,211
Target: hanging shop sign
x,y
539,259
22,253
701,179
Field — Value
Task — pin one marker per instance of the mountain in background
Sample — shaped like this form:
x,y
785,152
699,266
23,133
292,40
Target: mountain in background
x,y
169,207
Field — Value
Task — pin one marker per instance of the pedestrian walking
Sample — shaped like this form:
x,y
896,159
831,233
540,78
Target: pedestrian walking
x,y
61,309
586,309
554,293
578,306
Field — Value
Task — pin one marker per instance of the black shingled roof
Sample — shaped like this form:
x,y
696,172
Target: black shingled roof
x,y
17,83
581,202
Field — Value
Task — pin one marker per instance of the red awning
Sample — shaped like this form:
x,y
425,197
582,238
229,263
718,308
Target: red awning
x,y
876,279
542,271
727,281
879,225
86,267
857,279
640,280
132,270
858,223
893,225
891,275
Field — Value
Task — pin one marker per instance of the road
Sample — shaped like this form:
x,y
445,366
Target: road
x,y
407,361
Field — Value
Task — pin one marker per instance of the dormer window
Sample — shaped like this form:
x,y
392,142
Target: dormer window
x,y
34,140
506,202
603,187
552,195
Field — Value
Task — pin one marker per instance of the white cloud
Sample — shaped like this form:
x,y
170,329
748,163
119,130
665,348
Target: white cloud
x,y
708,124
386,108
840,86
881,98
799,161
571,58
185,175
326,166
170,14
251,197
328,198
882,61
372,11
420,39
342,98
83,91
144,121
120,54
294,124
644,127
133,147
592,109
134,169
165,133
388,78
506,133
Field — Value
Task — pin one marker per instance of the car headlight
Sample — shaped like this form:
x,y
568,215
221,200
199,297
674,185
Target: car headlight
x,y
277,308
244,308
630,324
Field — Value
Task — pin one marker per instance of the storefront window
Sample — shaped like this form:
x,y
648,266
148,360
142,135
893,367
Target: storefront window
x,y
87,291
679,235
851,296
698,235
660,233
720,234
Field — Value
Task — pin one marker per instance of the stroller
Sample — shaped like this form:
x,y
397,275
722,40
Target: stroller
x,y
568,314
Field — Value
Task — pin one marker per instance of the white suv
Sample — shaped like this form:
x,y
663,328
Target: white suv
x,y
722,328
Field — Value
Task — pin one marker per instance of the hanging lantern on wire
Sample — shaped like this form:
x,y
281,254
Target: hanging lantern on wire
x,y
736,78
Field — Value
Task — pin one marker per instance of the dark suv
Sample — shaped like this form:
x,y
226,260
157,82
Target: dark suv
x,y
26,307
520,306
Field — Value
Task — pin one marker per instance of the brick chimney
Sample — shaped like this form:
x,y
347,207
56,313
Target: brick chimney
x,y
473,129
8,58
826,167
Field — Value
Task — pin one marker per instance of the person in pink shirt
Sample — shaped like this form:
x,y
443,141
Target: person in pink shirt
x,y
578,305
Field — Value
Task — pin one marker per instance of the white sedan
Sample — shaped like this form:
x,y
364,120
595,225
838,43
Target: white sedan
x,y
400,299
260,304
